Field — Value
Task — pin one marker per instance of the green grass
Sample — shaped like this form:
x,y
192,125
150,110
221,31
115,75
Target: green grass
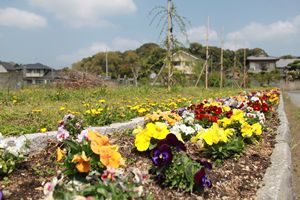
x,y
293,115
30,109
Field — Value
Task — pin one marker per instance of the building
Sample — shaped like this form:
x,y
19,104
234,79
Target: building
x,y
185,62
261,63
13,75
282,64
10,75
37,74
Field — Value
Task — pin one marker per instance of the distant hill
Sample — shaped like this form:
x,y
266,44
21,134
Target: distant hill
x,y
150,56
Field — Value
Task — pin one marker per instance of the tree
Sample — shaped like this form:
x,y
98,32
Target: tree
x,y
168,17
132,60
294,65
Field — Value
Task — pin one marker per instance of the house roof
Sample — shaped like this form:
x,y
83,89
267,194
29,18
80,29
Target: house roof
x,y
262,58
186,53
36,66
282,63
9,66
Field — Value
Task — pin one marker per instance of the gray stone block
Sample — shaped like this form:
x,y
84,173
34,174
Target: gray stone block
x,y
277,182
38,141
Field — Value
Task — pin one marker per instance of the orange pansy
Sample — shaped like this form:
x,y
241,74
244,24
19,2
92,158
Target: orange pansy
x,y
110,157
59,154
82,161
97,141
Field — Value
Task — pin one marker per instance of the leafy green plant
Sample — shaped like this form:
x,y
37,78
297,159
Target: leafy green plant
x,y
179,173
9,162
223,150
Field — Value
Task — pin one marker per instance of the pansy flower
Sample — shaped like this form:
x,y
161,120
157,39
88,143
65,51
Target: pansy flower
x,y
110,157
1,195
265,107
60,154
62,134
82,161
161,155
201,179
172,140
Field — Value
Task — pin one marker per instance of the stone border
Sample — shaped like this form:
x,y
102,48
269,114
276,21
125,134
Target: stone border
x,y
38,141
277,182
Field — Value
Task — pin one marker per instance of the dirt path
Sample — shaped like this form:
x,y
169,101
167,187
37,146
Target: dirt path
x,y
292,108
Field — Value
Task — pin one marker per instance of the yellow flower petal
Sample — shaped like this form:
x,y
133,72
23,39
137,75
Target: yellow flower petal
x,y
59,154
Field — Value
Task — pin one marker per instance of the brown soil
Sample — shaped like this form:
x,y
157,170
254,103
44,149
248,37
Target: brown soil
x,y
237,178
293,114
26,182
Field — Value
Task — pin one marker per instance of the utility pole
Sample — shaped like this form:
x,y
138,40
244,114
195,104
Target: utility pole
x,y
106,65
170,44
221,71
244,78
206,66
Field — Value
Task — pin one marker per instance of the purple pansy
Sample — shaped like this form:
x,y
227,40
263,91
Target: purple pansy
x,y
1,195
206,164
179,111
161,155
201,179
172,140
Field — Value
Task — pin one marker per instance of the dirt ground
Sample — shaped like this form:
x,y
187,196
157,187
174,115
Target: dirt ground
x,y
293,114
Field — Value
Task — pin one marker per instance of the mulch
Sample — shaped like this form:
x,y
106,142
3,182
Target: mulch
x,y
235,178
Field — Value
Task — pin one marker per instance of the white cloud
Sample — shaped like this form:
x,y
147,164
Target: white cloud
x,y
117,44
13,17
257,32
86,12
122,44
198,34
84,52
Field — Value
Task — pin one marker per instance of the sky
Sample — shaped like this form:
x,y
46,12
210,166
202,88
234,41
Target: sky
x,y
60,32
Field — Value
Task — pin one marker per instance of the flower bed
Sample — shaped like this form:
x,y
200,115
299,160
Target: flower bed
x,y
208,149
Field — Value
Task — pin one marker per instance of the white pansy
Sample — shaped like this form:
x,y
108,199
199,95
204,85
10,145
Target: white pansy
x,y
188,117
198,128
187,130
255,98
62,134
82,135
251,115
182,128
175,129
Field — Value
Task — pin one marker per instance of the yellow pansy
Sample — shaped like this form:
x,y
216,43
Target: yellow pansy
x,y
224,122
229,132
142,141
143,137
226,108
158,130
246,130
213,135
237,115
257,128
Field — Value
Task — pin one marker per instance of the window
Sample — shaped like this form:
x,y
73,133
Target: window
x,y
263,66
